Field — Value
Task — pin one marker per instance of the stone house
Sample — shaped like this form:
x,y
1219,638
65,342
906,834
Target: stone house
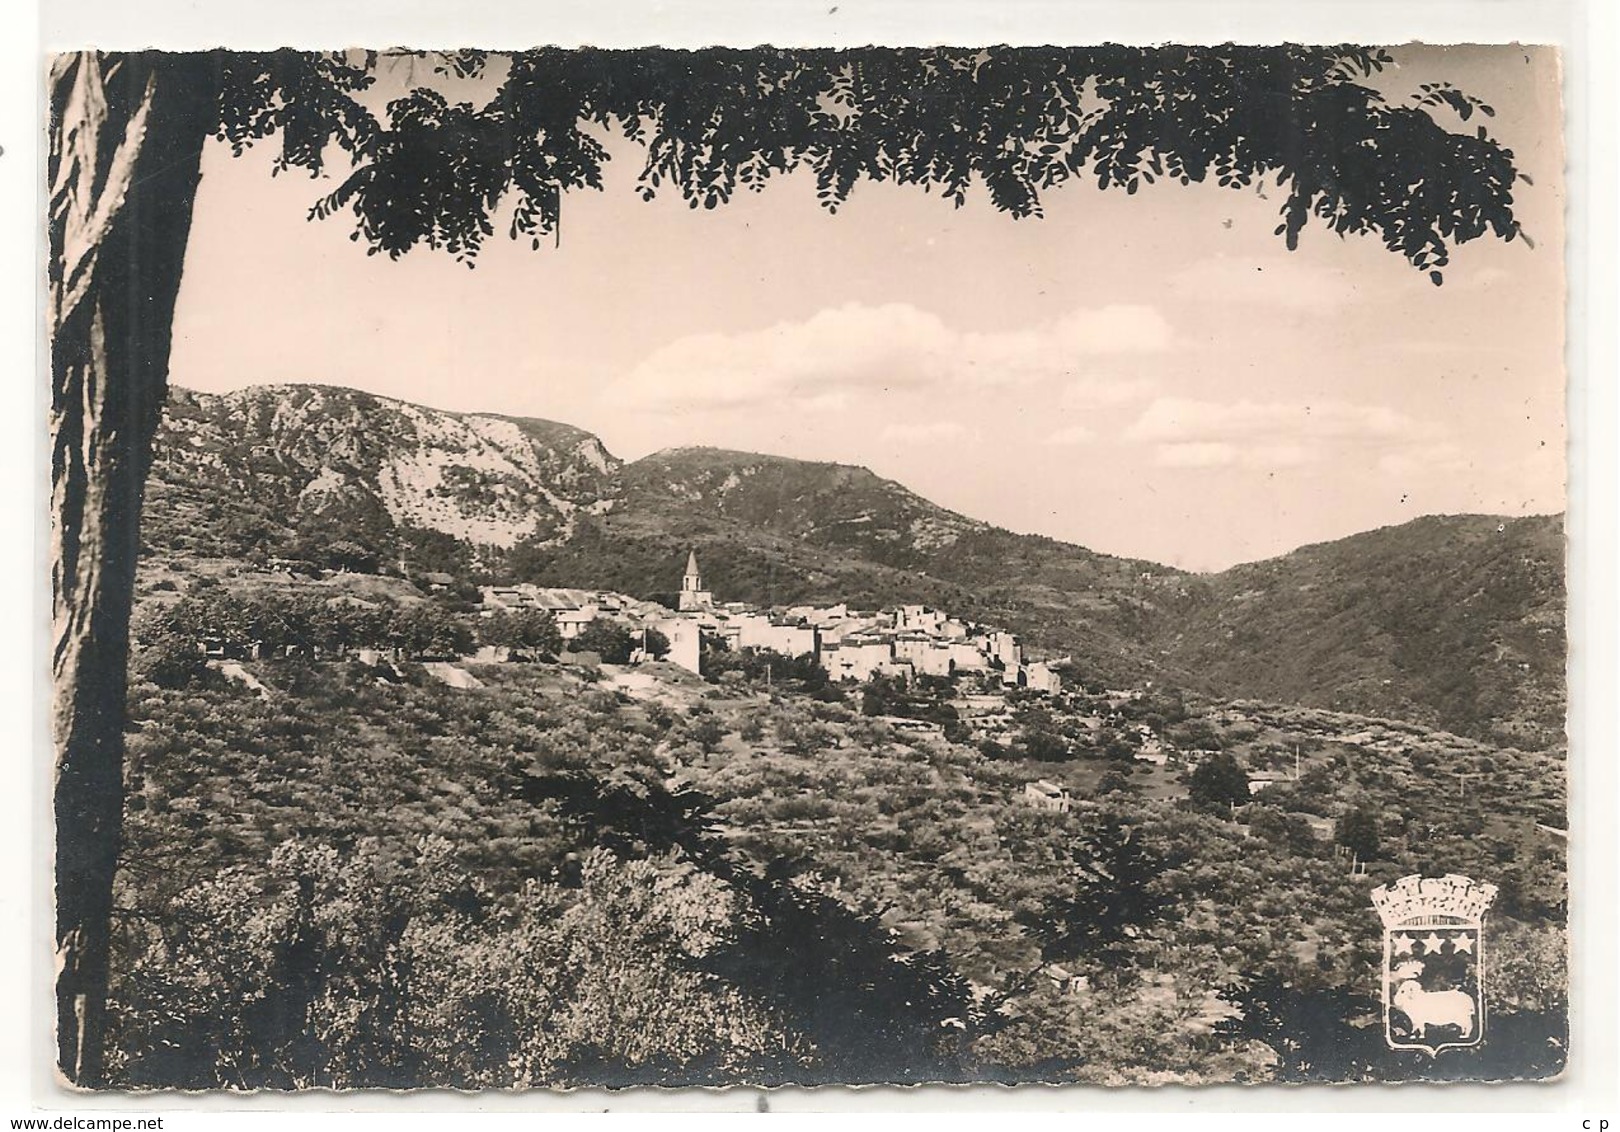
x,y
1045,795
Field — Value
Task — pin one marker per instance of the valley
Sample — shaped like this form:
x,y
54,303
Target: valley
x,y
443,771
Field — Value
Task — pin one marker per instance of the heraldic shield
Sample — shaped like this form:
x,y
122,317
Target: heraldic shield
x,y
1434,961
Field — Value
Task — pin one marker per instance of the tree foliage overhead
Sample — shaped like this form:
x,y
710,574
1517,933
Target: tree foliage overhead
x,y
1015,122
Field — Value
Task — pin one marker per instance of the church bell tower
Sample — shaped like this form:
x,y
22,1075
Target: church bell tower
x,y
693,595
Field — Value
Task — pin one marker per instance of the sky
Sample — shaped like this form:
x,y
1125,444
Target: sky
x,y
1152,375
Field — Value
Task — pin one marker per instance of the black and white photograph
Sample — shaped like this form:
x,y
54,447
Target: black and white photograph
x,y
782,566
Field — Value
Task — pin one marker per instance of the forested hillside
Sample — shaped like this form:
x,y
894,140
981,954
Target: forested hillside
x,y
343,875
1453,621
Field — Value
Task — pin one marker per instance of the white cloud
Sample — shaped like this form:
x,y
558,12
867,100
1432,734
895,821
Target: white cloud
x,y
1195,455
855,347
1118,328
1191,433
1103,392
1280,455
1183,418
923,433
1073,435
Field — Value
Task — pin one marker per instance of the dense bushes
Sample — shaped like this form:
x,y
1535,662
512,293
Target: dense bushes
x,y
169,659
800,673
890,695
525,632
239,625
607,639
347,882
1218,782
370,886
327,968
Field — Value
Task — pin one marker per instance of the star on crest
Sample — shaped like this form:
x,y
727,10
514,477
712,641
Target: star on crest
x,y
1431,944
1463,944
1403,943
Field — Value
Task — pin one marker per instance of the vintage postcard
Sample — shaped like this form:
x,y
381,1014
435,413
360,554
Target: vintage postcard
x,y
582,567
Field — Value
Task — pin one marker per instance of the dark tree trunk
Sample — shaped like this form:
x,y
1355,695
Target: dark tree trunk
x,y
126,139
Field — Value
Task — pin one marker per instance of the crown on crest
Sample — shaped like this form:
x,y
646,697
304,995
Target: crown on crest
x,y
1419,897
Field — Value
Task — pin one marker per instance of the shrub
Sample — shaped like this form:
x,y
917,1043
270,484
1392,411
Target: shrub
x,y
609,640
1218,782
172,660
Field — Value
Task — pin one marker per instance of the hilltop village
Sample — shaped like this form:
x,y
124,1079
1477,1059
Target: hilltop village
x,y
923,675
905,642
922,672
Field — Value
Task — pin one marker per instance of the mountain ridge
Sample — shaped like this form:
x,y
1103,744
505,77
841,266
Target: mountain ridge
x,y
1364,623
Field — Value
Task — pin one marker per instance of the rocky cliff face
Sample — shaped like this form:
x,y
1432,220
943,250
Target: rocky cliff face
x,y
327,453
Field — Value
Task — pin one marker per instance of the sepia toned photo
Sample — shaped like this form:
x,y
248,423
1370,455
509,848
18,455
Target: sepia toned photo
x,y
799,566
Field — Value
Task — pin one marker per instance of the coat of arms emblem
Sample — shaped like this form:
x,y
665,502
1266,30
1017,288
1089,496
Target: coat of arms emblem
x,y
1434,961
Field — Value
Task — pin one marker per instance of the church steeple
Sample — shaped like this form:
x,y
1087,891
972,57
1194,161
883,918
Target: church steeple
x,y
693,595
